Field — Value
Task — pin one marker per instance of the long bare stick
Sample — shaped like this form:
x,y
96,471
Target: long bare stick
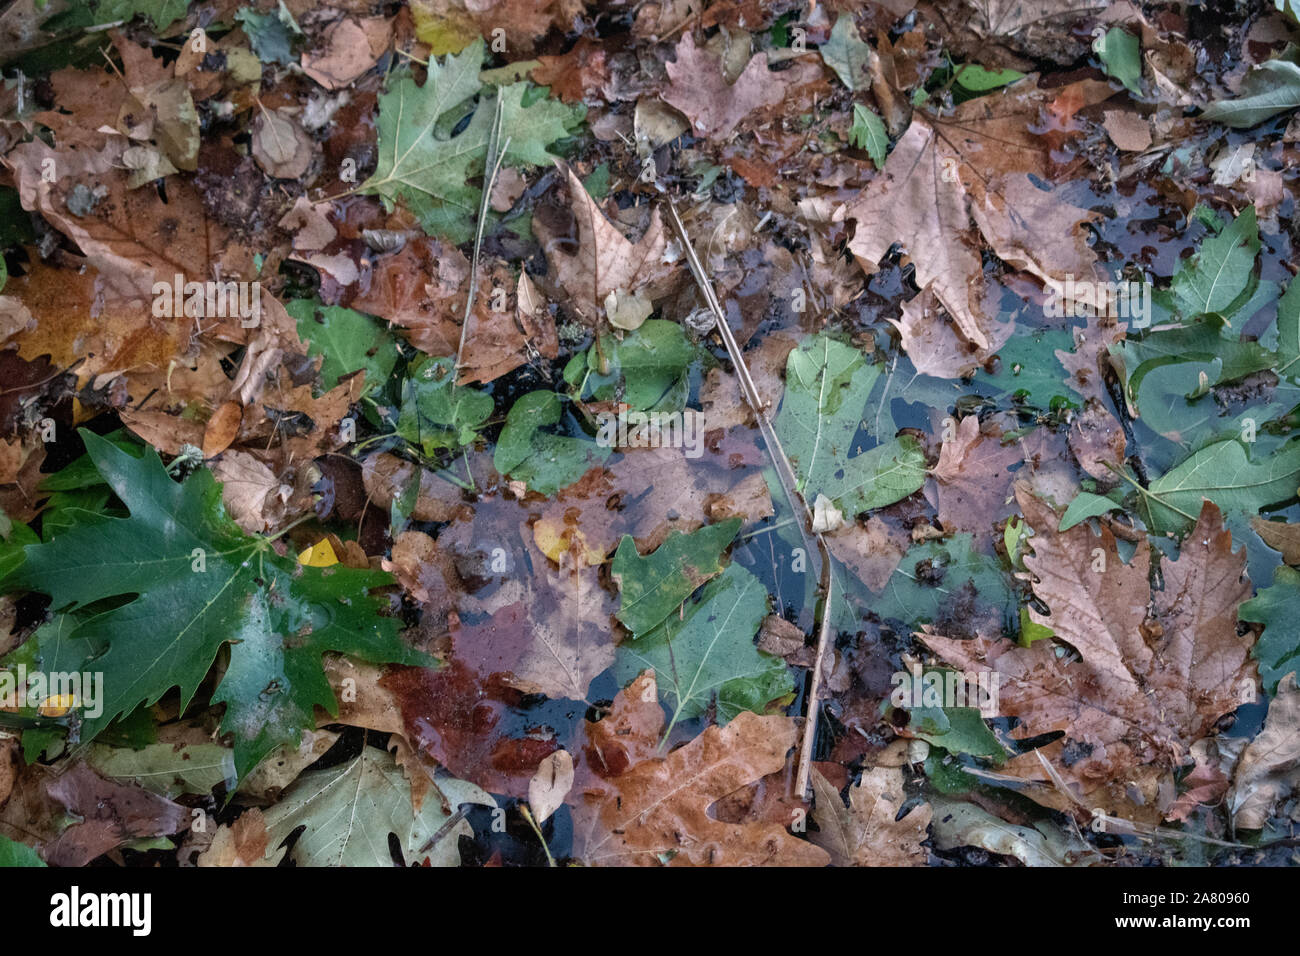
x,y
789,485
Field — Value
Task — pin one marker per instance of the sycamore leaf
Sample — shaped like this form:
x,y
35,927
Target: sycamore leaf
x,y
866,832
654,586
708,655
942,166
200,583
1155,670
1224,473
827,387
426,166
700,91
350,810
605,265
657,811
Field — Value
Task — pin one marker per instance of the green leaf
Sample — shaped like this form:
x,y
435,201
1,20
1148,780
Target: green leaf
x,y
426,164
827,387
848,54
709,654
1084,506
270,34
868,132
544,461
1210,282
906,599
94,13
1288,329
654,586
646,370
349,812
167,769
348,341
277,616
1224,473
1277,607
15,854
436,413
1121,57
1268,89
973,77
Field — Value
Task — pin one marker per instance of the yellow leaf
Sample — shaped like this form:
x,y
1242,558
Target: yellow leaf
x,y
319,555
446,31
555,539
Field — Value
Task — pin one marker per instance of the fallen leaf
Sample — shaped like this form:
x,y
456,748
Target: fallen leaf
x,y
866,833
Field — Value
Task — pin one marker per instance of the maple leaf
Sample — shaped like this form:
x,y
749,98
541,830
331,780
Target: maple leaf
x,y
426,166
202,583
350,810
606,264
1155,670
656,811
866,833
944,170
973,477
714,107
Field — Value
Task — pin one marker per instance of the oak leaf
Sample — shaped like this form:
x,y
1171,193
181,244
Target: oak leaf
x,y
656,813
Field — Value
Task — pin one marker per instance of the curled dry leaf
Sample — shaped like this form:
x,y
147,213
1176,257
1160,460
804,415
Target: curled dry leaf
x,y
1269,769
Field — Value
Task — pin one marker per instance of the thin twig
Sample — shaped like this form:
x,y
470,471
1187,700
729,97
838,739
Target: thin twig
x,y
496,151
789,485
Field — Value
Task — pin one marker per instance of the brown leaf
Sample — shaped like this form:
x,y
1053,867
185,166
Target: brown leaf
x,y
605,262
1156,670
253,494
1096,440
657,812
1127,130
106,814
242,843
280,146
550,785
714,107
921,197
222,428
350,48
1280,536
865,832
973,478
1269,769
580,74
935,345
